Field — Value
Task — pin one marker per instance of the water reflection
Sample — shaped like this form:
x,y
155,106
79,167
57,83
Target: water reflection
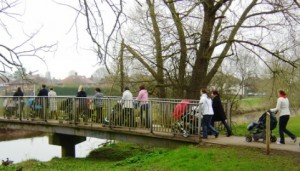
x,y
39,148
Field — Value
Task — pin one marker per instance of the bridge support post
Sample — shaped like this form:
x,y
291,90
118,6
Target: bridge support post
x,y
67,143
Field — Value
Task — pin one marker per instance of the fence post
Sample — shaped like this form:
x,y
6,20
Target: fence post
x,y
150,116
74,111
199,123
268,132
44,109
228,113
19,108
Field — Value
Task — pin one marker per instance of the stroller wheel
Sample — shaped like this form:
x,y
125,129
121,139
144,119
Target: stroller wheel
x,y
255,139
249,138
273,138
185,133
173,131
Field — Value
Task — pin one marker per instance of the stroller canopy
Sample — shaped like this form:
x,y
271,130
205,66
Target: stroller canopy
x,y
180,109
273,120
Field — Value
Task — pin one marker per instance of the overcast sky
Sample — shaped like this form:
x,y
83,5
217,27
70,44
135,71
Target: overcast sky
x,y
55,22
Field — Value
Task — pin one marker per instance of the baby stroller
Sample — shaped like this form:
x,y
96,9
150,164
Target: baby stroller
x,y
10,107
257,129
35,108
185,115
67,107
114,117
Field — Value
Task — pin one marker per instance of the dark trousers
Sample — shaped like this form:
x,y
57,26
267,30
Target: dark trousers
x,y
99,117
207,125
228,130
128,117
283,120
145,107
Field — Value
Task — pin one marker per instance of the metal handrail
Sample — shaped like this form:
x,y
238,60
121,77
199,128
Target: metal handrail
x,y
160,115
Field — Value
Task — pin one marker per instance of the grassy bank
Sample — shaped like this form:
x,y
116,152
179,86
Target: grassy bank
x,y
123,156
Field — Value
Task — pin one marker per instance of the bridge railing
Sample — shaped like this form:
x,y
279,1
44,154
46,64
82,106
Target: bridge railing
x,y
171,116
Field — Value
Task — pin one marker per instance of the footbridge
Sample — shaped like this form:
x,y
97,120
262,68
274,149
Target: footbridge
x,y
69,120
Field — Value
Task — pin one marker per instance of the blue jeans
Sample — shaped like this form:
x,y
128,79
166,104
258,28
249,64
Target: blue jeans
x,y
207,125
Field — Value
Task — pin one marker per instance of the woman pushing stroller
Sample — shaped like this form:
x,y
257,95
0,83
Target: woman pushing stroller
x,y
283,108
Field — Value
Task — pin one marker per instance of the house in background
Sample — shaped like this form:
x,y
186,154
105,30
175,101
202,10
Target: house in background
x,y
76,80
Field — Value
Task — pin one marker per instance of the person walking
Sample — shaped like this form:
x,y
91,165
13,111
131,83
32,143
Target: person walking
x,y
19,101
283,107
43,91
142,98
81,104
43,101
98,104
205,104
127,101
219,114
52,103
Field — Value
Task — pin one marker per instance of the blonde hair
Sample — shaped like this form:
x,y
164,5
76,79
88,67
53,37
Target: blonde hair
x,y
80,88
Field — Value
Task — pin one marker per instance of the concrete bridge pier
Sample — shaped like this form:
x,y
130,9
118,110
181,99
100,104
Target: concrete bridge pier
x,y
67,143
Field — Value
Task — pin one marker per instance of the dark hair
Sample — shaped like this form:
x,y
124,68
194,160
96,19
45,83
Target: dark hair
x,y
215,92
126,88
142,87
19,89
51,88
98,89
44,86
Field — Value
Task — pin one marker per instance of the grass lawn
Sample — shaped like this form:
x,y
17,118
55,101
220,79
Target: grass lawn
x,y
123,156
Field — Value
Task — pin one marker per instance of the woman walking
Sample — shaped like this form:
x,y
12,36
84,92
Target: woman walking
x,y
142,98
52,103
207,112
219,114
283,108
81,104
127,101
98,103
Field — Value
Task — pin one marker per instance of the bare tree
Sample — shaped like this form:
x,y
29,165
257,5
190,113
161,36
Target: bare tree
x,y
12,56
191,39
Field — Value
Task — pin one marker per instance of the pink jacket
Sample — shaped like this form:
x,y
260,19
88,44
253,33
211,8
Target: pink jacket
x,y
143,96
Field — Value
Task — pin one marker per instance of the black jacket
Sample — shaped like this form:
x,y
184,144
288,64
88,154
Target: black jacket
x,y
82,101
43,92
17,94
81,94
219,113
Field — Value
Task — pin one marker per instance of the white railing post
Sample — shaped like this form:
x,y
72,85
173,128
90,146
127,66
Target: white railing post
x,y
44,108
199,122
73,119
150,116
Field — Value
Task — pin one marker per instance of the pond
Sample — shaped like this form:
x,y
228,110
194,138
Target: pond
x,y
38,148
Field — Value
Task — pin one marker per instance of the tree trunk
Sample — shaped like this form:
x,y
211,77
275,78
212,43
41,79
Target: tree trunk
x,y
199,78
121,63
158,47
180,87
